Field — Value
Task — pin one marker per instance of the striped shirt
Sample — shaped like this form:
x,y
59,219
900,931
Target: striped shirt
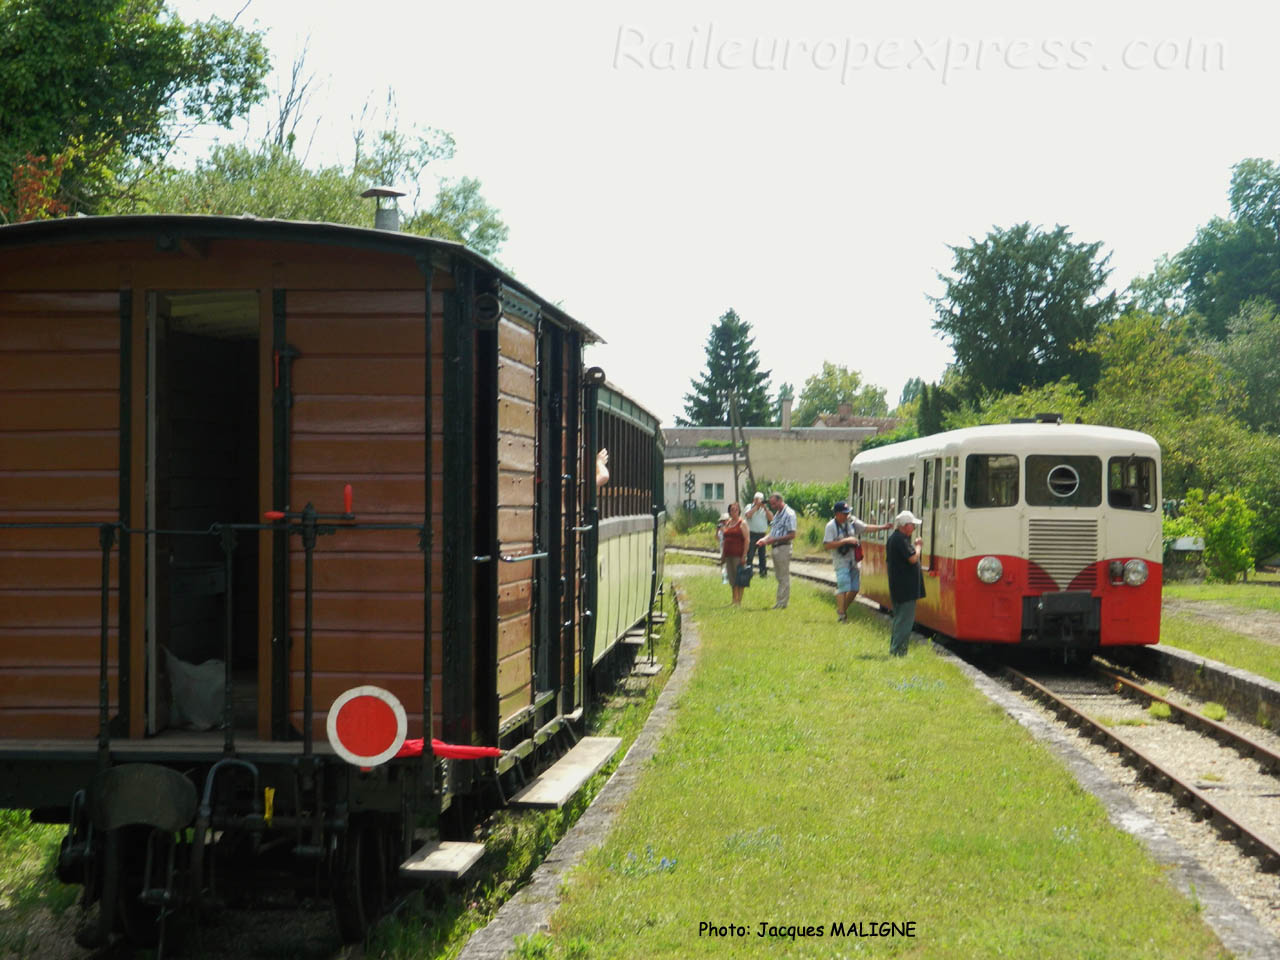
x,y
784,522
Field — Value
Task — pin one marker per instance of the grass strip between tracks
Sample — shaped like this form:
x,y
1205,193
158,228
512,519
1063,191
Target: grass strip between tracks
x,y
811,782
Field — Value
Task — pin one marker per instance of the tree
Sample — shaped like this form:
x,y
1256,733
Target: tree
x,y
270,181
1153,369
460,213
1236,259
824,393
1062,397
117,81
910,391
1018,305
1250,353
732,366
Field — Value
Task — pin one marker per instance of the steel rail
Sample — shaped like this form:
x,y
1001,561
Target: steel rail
x,y
827,578
1267,759
1153,773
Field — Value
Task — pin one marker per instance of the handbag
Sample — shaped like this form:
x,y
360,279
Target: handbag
x,y
744,576
857,552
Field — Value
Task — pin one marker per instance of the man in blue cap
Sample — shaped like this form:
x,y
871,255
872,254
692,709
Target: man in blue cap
x,y
842,537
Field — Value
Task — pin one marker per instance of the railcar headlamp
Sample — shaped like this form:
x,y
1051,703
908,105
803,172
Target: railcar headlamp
x,y
1135,572
990,569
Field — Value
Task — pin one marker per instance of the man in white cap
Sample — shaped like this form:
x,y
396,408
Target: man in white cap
x,y
906,581
759,516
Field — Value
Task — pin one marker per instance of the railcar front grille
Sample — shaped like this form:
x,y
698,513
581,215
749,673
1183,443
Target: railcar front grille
x,y
1060,551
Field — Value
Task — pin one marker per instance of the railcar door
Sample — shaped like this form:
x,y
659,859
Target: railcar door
x,y
202,469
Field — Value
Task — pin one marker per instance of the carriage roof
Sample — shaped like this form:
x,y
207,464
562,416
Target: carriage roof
x,y
1017,438
176,228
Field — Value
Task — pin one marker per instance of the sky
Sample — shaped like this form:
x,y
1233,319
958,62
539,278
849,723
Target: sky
x,y
808,165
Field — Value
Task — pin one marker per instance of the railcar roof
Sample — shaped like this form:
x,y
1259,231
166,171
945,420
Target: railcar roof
x,y
1018,438
196,227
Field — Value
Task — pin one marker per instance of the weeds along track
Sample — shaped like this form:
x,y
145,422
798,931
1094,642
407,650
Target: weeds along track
x,y
1220,772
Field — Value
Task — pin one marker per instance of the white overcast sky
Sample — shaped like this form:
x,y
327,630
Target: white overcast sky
x,y
806,164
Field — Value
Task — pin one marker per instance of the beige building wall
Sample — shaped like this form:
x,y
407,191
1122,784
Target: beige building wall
x,y
802,457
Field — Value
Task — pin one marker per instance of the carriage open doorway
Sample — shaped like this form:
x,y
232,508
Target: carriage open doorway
x,y
202,469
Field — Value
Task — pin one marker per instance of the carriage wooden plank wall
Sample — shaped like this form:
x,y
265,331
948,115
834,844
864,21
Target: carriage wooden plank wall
x,y
171,373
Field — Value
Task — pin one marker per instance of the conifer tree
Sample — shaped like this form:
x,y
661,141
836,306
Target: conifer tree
x,y
733,365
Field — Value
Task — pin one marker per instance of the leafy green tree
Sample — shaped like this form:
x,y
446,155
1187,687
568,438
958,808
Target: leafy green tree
x,y
1062,397
910,391
1154,369
824,393
1019,303
270,181
1235,259
117,82
1227,523
460,213
733,365
1252,354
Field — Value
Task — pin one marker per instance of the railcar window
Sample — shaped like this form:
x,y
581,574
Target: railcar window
x,y
1131,483
1064,481
990,480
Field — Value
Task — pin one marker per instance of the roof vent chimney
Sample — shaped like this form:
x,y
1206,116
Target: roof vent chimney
x,y
386,215
786,413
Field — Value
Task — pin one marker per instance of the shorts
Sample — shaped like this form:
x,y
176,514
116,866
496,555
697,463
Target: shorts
x,y
847,578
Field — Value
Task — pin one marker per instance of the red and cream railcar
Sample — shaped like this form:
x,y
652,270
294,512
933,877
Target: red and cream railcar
x,y
1037,533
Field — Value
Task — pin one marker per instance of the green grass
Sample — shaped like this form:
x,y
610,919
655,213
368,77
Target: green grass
x,y
1246,596
1208,640
811,780
517,842
28,852
1214,711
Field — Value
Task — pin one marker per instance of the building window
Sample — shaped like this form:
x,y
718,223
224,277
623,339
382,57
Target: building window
x,y
707,490
719,491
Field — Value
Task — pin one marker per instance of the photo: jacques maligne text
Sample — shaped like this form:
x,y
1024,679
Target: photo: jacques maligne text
x,y
840,928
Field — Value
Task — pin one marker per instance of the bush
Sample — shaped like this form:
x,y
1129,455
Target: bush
x,y
808,499
682,521
1227,522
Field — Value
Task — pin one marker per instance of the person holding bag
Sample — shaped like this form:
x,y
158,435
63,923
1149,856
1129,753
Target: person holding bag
x,y
733,551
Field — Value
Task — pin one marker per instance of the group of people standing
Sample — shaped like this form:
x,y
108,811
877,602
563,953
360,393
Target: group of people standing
x,y
743,538
773,524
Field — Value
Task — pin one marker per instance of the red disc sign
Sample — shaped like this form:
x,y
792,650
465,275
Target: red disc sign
x,y
366,726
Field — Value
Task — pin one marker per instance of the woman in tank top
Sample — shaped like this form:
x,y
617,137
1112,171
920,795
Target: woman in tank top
x,y
733,551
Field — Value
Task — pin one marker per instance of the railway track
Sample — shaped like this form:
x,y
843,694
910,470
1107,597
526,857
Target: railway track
x,y
816,571
1221,784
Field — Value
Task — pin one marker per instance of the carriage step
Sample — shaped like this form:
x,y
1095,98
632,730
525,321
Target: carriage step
x,y
553,789
441,860
637,637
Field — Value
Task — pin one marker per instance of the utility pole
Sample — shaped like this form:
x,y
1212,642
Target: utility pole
x,y
735,423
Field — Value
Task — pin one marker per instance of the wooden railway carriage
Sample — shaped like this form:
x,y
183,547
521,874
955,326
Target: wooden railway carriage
x,y
168,382
1039,533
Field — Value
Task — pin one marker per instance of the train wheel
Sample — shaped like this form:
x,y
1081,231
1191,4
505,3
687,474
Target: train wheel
x,y
360,890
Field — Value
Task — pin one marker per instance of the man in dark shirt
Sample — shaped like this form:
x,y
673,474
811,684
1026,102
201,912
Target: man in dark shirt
x,y
906,583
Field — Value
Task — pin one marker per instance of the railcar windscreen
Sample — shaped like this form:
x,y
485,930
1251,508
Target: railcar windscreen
x,y
990,480
1063,481
1131,483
